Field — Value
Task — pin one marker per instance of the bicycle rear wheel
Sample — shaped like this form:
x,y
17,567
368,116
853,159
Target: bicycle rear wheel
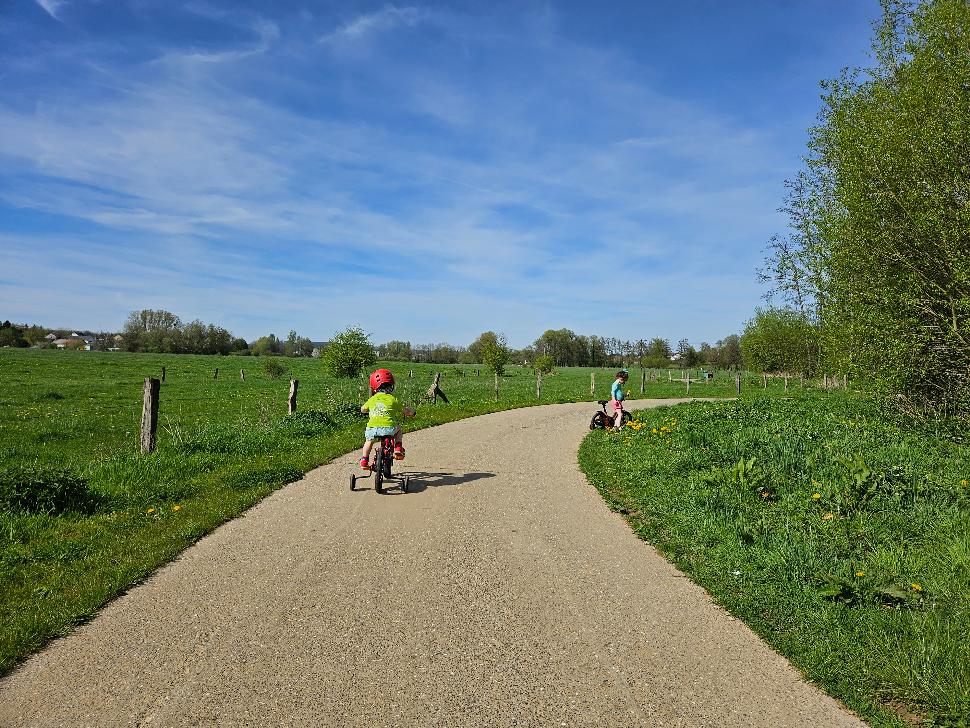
x,y
379,469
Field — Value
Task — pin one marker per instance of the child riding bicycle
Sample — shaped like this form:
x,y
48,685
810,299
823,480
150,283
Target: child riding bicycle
x,y
386,416
616,394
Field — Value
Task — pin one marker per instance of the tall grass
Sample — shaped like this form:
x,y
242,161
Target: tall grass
x,y
841,537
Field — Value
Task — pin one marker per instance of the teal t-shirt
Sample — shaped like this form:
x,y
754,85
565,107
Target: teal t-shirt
x,y
617,391
385,410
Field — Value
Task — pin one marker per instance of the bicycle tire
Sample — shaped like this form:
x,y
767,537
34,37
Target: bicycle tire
x,y
597,423
379,470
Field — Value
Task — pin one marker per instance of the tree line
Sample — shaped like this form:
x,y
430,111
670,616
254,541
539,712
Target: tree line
x,y
566,348
874,277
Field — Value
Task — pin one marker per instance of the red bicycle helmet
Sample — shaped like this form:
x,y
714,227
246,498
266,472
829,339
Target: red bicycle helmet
x,y
379,377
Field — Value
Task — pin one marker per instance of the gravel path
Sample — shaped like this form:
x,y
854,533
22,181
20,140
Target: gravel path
x,y
502,592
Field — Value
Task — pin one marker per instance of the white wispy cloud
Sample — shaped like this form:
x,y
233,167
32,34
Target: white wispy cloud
x,y
52,7
369,24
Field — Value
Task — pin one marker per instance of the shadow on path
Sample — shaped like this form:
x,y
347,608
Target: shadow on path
x,y
421,480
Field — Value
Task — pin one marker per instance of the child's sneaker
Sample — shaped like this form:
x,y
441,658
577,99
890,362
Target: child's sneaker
x,y
398,452
364,464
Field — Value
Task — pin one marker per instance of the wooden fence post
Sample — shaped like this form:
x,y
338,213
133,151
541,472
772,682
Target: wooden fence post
x,y
410,374
670,377
592,383
643,379
163,374
538,385
242,374
764,380
496,386
845,381
435,389
291,403
149,415
215,374
737,381
688,386
825,381
786,382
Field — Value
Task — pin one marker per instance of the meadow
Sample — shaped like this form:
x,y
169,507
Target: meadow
x,y
83,516
841,536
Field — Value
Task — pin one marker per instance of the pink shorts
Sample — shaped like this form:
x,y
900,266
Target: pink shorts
x,y
617,405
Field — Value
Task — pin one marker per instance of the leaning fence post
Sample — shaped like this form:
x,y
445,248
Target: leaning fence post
x,y
291,403
163,374
149,415
538,385
764,380
215,374
496,386
242,374
786,382
643,379
737,381
688,386
592,383
845,381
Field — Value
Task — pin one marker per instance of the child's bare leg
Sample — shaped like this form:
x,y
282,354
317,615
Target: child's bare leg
x,y
367,448
618,418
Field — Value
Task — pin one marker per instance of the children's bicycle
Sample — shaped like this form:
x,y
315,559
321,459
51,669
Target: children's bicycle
x,y
382,458
603,419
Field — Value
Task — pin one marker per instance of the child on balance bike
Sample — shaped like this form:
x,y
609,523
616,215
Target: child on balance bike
x,y
386,416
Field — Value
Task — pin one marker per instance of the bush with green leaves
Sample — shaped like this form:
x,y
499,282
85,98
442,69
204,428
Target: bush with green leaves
x,y
348,353
44,490
543,364
273,368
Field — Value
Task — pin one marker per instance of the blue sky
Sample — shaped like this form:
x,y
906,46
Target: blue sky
x,y
426,171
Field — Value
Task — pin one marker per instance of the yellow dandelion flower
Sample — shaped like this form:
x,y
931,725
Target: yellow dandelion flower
x,y
150,510
860,573
827,517
176,507
816,496
654,431
964,482
917,587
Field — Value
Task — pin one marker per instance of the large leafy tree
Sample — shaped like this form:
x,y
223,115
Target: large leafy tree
x,y
880,249
348,353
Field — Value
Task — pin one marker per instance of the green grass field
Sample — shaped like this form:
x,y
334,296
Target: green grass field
x,y
841,538
83,516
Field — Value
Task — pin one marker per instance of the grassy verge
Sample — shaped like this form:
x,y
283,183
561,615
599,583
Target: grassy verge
x,y
839,537
83,516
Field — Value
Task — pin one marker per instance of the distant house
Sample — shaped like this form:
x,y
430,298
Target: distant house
x,y
51,337
75,341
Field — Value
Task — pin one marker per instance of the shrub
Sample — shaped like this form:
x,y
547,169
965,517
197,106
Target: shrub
x,y
543,364
44,490
273,368
348,353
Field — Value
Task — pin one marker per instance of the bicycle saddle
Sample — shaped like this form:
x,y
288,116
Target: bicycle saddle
x,y
603,401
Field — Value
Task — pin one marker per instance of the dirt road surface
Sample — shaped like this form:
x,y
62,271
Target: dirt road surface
x,y
502,592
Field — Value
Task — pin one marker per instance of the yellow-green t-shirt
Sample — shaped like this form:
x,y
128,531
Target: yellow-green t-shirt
x,y
385,410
